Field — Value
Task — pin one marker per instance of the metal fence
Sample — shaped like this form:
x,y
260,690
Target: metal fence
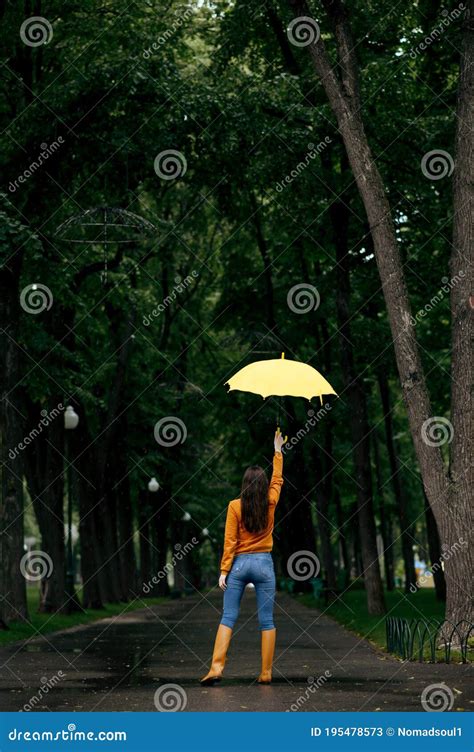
x,y
430,639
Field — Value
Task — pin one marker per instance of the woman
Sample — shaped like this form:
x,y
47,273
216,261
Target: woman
x,y
247,558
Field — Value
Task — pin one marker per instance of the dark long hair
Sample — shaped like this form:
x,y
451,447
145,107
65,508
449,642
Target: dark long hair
x,y
254,499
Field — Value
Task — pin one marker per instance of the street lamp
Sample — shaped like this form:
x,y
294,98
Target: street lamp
x,y
153,485
207,536
179,565
185,568
71,420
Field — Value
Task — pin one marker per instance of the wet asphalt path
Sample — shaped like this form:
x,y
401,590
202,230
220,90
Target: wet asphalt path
x,y
120,663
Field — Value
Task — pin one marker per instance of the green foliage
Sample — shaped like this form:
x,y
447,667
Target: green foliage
x,y
219,90
351,611
42,624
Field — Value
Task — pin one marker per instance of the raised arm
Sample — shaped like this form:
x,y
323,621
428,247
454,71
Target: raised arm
x,y
276,482
230,539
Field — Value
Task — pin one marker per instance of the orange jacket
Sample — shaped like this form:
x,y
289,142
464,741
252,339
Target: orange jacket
x,y
237,539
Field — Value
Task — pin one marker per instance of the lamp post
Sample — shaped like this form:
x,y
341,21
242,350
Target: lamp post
x,y
71,420
152,553
186,567
206,537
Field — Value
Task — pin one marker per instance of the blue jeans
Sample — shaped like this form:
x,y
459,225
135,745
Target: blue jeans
x,y
258,569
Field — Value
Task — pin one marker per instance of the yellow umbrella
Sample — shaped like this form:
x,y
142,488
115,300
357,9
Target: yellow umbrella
x,y
281,378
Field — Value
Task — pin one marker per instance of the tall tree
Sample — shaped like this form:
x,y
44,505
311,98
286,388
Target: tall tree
x,y
399,491
359,423
13,238
447,491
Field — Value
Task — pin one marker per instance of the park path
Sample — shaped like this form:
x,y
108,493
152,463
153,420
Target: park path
x,y
119,663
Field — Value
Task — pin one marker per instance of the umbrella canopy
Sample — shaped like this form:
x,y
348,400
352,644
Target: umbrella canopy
x,y
280,378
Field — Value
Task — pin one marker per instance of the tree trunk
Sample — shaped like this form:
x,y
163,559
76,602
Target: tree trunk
x,y
456,521
398,486
324,524
385,521
329,421
326,492
125,539
104,459
294,529
125,517
108,540
359,424
448,497
44,467
144,542
357,570
367,533
98,515
435,553
346,564
93,593
160,536
153,520
12,584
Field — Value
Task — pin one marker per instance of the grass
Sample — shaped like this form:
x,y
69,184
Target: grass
x,y
45,623
351,611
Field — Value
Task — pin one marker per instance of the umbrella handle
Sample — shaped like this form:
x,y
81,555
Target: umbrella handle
x,y
279,431
278,417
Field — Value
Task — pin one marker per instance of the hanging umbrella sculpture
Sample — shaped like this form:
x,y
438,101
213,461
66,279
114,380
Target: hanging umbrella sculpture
x,y
105,226
281,378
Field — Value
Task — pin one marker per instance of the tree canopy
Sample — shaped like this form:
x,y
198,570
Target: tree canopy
x,y
209,122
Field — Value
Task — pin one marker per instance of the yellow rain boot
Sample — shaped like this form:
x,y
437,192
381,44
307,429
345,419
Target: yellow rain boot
x,y
221,646
268,649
